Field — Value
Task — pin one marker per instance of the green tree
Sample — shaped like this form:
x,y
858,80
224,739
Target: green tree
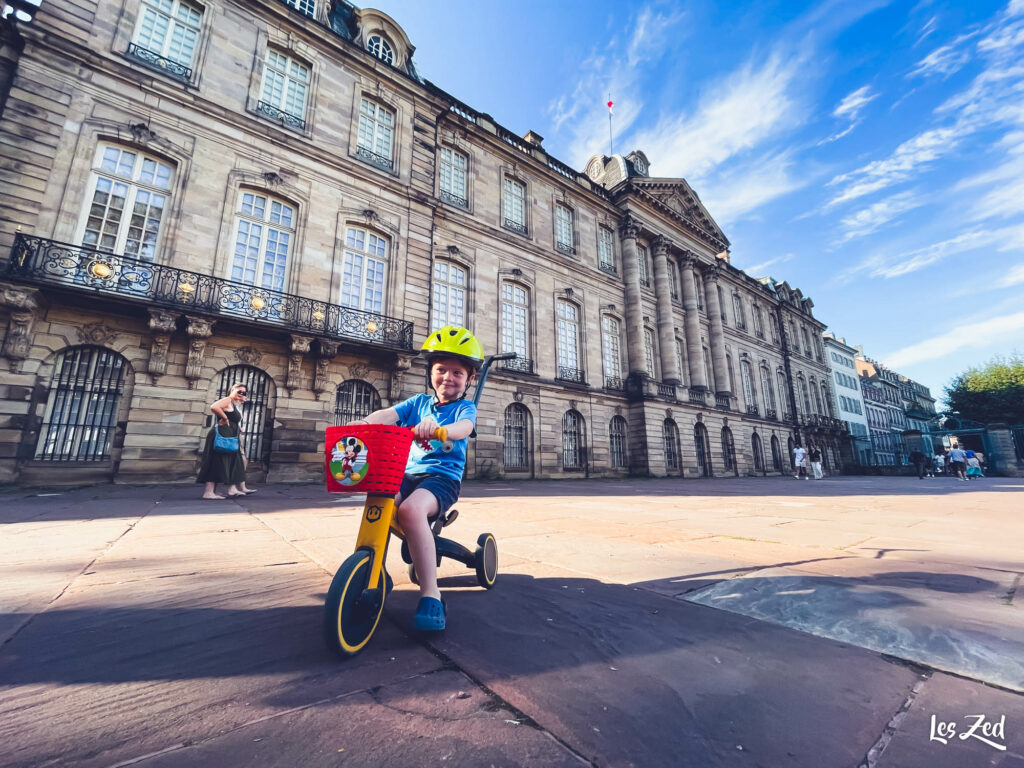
x,y
993,392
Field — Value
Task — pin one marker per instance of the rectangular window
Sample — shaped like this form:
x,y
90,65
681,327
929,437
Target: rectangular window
x,y
758,325
514,318
167,33
263,234
721,305
449,293
641,263
376,134
364,270
737,310
606,249
453,177
649,353
568,342
612,353
513,205
564,235
285,85
307,7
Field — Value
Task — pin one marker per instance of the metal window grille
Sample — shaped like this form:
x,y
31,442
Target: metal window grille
x,y
355,400
702,442
728,449
82,406
257,421
755,441
670,436
517,419
572,441
617,438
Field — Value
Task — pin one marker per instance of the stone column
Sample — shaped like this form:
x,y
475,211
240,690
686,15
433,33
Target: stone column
x,y
22,303
718,365
628,230
299,346
694,352
163,324
199,329
666,332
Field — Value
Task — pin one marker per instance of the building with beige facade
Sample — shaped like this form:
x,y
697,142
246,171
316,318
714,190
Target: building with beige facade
x,y
265,191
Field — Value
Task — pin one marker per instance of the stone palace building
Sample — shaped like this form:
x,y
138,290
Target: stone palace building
x,y
198,192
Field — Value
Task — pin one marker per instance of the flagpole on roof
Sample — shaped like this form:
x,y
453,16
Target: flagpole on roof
x,y
611,145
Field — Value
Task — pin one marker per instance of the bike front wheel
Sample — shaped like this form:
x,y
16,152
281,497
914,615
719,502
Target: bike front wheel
x,y
353,609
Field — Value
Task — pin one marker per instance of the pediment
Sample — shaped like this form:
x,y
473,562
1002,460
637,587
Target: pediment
x,y
679,197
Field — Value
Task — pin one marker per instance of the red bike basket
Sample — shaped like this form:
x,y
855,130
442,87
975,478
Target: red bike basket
x,y
366,458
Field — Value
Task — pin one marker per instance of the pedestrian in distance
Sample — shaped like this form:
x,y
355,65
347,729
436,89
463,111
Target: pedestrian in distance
x,y
919,460
973,465
800,462
433,473
223,461
958,462
815,457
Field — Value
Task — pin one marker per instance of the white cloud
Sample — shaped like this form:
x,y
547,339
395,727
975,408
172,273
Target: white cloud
x,y
743,188
752,105
978,334
1014,277
854,102
761,268
926,30
944,60
872,218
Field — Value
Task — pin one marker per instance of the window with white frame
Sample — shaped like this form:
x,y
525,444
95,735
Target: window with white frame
x,y
375,141
737,311
746,378
453,177
780,377
513,205
166,36
606,249
381,48
773,323
766,389
564,234
264,230
130,192
285,87
758,325
307,7
449,295
617,441
612,352
807,341
649,352
364,270
515,312
569,342
641,263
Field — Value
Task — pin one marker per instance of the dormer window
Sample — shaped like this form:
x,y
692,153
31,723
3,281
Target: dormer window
x,y
380,48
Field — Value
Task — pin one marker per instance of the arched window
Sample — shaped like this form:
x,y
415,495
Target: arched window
x,y
130,191
728,449
702,443
517,438
776,454
755,446
573,441
381,48
81,408
355,400
617,440
767,392
670,437
364,270
257,417
449,292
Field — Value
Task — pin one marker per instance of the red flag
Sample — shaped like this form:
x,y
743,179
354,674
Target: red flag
x,y
610,112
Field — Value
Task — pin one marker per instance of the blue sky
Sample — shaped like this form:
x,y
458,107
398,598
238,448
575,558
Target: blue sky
x,y
870,153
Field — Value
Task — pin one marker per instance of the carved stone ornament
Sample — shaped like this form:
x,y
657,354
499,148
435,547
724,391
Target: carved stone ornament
x,y
668,413
158,355
572,404
272,178
517,396
661,244
395,386
162,321
96,333
23,304
248,355
300,344
294,379
142,134
618,410
688,260
629,228
194,366
199,327
359,370
326,349
700,417
320,382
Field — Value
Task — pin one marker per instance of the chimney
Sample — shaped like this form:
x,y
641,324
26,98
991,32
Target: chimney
x,y
534,139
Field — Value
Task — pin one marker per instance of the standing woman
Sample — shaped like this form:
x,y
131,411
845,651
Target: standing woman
x,y
219,466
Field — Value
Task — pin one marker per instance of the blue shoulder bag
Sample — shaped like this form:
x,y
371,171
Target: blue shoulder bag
x,y
223,444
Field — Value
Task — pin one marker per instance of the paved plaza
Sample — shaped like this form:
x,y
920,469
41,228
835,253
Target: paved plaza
x,y
769,622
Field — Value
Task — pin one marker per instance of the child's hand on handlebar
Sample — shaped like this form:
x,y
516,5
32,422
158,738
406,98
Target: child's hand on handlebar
x,y
425,429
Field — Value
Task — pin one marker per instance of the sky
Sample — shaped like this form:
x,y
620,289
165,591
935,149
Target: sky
x,y
870,153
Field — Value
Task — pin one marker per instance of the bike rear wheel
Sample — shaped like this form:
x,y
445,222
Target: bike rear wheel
x,y
352,611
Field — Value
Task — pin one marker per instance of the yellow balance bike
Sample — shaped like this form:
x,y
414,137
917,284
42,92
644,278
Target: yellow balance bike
x,y
371,459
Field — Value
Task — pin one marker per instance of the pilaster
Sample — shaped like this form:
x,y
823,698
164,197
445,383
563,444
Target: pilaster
x,y
663,289
628,231
694,353
717,333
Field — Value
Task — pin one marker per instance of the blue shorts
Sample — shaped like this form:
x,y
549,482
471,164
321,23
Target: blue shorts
x,y
444,489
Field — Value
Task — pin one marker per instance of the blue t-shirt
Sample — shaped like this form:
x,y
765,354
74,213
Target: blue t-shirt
x,y
436,461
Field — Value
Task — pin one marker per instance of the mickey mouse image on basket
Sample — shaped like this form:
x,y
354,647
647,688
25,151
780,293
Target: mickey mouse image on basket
x,y
349,459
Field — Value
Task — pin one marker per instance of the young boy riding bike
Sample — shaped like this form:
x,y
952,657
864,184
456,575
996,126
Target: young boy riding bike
x,y
433,474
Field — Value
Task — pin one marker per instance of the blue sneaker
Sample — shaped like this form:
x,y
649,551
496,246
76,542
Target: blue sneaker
x,y
431,614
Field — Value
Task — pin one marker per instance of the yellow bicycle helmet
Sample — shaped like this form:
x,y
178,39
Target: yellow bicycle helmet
x,y
453,341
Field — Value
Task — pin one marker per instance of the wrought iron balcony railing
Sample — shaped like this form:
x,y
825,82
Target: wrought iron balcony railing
x,y
515,226
770,413
566,249
48,262
614,382
698,397
753,410
452,199
374,159
285,118
160,63
722,401
608,269
570,374
521,364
